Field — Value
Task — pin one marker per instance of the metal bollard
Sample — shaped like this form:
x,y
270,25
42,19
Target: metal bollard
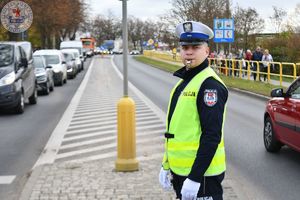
x,y
126,158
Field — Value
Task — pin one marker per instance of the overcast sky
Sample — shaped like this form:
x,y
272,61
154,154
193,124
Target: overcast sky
x,y
145,9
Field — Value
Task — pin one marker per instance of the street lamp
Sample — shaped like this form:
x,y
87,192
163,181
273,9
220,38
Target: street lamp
x,y
126,155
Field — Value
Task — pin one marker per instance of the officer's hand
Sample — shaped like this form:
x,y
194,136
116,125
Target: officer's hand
x,y
189,189
164,179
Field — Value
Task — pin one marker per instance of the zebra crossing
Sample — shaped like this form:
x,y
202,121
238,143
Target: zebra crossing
x,y
92,130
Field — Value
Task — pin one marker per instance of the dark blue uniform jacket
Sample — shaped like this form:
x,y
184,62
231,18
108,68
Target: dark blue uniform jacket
x,y
211,118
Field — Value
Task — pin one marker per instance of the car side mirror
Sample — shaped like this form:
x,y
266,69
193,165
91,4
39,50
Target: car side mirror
x,y
63,62
24,62
49,67
278,92
73,59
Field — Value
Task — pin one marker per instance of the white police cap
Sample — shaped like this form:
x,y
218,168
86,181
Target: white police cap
x,y
193,33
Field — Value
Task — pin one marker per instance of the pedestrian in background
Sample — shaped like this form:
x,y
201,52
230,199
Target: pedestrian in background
x,y
257,56
266,59
248,58
194,159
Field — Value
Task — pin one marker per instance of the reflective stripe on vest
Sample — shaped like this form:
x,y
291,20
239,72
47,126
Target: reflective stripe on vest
x,y
186,126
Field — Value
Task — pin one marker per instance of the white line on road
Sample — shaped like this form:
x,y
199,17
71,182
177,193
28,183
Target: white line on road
x,y
6,179
54,142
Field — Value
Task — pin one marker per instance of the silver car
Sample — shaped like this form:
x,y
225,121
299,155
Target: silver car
x,y
43,74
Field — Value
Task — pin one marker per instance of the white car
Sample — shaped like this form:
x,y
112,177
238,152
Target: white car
x,y
56,59
134,52
74,44
78,61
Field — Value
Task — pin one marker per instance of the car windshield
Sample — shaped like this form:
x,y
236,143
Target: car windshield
x,y
38,62
79,49
6,55
76,54
68,57
51,59
86,43
27,49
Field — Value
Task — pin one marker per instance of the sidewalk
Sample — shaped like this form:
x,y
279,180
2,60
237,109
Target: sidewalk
x,y
80,163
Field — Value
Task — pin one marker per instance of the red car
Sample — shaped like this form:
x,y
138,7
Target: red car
x,y
282,119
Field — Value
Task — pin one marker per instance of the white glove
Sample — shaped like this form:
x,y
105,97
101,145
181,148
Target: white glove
x,y
164,179
189,189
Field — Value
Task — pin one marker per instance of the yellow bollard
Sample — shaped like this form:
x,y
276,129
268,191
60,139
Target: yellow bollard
x,y
126,158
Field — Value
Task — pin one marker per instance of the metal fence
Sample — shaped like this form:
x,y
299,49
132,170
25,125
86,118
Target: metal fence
x,y
280,71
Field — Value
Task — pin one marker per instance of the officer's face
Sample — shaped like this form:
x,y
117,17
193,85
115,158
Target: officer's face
x,y
194,55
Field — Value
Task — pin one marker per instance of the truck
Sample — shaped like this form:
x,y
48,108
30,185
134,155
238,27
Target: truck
x,y
89,44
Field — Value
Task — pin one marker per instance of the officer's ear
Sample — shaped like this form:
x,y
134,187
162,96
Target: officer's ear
x,y
207,50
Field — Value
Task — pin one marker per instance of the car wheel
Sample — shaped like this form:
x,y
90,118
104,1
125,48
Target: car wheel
x,y
33,98
270,141
52,86
61,82
47,90
19,109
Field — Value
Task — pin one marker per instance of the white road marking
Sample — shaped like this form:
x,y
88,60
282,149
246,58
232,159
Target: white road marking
x,y
6,179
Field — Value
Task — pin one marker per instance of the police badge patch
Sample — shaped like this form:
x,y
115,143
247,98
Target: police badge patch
x,y
210,97
16,16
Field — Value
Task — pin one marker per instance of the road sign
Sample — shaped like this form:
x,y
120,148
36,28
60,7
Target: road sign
x,y
150,42
224,30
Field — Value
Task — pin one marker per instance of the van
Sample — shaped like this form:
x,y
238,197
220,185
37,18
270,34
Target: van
x,y
74,44
17,78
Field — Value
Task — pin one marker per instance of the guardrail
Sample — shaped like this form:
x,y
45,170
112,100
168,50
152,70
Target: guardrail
x,y
242,68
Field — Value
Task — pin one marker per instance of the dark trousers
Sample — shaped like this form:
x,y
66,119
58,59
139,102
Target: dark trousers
x,y
210,186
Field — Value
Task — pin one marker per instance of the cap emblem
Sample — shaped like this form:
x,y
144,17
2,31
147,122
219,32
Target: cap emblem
x,y
188,27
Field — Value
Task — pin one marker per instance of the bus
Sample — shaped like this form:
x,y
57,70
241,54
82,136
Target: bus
x,y
89,45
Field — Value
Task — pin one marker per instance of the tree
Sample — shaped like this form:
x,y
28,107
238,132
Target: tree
x,y
277,18
200,10
106,28
247,21
56,18
135,27
295,19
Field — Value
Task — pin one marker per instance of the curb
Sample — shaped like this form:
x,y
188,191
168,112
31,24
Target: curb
x,y
250,94
27,190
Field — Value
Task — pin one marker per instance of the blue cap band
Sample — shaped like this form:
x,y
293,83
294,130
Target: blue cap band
x,y
190,36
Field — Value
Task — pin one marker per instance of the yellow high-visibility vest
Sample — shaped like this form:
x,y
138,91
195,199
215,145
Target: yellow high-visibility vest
x,y
180,151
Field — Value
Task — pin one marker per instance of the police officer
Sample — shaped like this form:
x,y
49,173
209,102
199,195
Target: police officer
x,y
194,159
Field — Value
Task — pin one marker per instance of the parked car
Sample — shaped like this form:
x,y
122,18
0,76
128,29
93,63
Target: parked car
x,y
17,79
56,59
282,119
134,52
43,74
74,45
71,65
78,62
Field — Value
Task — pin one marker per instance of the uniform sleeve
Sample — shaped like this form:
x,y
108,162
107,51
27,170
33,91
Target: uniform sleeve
x,y
211,112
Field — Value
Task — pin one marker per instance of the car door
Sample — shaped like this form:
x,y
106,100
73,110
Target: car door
x,y
26,79
294,93
19,69
284,121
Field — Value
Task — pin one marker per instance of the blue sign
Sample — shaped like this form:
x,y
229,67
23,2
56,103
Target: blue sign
x,y
224,30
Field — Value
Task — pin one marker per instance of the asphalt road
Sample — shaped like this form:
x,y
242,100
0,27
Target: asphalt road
x,y
259,175
23,137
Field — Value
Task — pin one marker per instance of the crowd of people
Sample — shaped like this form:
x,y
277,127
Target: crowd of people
x,y
263,58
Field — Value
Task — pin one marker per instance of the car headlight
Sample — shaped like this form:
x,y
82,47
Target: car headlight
x,y
56,70
41,74
8,79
